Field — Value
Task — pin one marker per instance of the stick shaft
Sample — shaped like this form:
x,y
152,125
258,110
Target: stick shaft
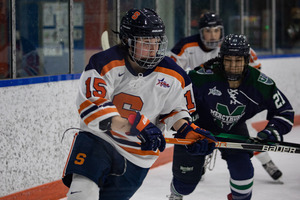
x,y
242,146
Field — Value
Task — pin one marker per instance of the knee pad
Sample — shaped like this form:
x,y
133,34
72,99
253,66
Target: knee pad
x,y
181,188
83,188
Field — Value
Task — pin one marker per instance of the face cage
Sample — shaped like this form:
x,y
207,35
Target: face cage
x,y
212,44
236,76
147,56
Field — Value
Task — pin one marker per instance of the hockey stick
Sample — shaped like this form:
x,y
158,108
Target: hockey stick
x,y
273,147
104,40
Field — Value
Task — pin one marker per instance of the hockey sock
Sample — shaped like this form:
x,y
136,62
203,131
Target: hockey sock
x,y
263,157
241,189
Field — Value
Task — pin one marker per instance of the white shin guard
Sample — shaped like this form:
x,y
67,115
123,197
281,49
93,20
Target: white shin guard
x,y
83,188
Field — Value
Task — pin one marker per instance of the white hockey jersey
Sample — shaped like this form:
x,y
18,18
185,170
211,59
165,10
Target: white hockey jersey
x,y
110,87
188,53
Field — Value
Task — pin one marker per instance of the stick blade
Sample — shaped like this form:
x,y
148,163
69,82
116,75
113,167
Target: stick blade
x,y
104,40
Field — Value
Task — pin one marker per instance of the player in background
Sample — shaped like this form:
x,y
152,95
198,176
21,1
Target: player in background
x,y
195,50
117,144
227,94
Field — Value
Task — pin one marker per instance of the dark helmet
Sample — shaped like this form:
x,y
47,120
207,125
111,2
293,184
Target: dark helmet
x,y
235,45
143,23
211,20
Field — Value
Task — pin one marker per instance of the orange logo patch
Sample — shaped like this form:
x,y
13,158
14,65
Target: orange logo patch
x,y
135,15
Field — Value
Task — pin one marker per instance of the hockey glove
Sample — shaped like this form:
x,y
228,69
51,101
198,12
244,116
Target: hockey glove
x,y
205,141
269,134
201,147
191,131
151,137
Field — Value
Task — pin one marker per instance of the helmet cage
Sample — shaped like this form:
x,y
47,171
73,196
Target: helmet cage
x,y
235,45
141,50
212,44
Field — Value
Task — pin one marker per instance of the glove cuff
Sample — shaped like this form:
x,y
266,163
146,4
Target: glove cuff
x,y
138,123
183,130
275,133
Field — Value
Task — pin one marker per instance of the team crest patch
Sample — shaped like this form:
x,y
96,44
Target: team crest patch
x,y
215,92
264,79
162,83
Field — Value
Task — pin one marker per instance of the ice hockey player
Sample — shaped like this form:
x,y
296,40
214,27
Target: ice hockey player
x,y
195,50
227,94
117,144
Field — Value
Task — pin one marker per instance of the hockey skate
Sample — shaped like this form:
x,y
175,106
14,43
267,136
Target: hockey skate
x,y
272,170
175,197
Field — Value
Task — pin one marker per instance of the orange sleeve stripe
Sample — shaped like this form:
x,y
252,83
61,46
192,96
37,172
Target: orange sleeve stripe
x,y
88,103
170,115
111,65
142,123
171,73
100,101
257,66
253,55
117,134
192,44
173,58
99,114
140,152
84,105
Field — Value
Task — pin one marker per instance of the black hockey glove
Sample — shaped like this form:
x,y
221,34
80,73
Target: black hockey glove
x,y
269,134
151,137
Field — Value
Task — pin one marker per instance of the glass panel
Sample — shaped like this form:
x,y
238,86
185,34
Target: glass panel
x,y
288,26
258,25
230,13
173,14
5,64
91,19
197,9
42,37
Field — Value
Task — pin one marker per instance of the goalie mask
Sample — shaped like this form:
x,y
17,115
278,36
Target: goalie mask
x,y
211,23
234,54
143,32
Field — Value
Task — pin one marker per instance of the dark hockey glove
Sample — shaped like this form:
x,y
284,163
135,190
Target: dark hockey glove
x,y
151,137
269,134
201,147
206,141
